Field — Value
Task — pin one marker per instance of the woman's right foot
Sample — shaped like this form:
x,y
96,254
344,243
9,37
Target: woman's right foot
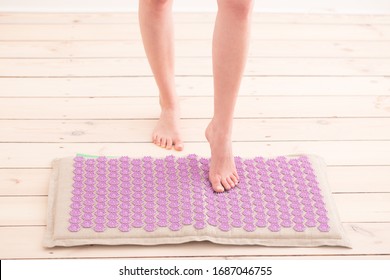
x,y
166,133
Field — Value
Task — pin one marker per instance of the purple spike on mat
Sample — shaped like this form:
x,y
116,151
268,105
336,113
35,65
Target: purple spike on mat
x,y
172,193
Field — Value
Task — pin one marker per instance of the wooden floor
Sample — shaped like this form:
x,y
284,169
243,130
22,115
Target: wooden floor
x,y
81,83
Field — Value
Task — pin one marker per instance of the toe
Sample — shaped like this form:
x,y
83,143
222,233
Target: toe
x,y
234,179
236,175
169,143
230,182
216,185
163,143
178,145
158,141
225,184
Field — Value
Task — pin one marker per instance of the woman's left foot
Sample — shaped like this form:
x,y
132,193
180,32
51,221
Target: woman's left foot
x,y
222,174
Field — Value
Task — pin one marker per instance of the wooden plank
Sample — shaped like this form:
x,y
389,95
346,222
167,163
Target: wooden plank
x,y
40,155
26,242
194,48
124,131
352,207
108,67
195,107
359,178
24,181
363,207
125,18
31,211
199,30
342,179
192,86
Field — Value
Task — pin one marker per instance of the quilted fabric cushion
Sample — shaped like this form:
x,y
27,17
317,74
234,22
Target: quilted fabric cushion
x,y
281,201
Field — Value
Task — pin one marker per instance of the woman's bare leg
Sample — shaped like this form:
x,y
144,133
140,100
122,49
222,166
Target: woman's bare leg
x,y
230,47
155,17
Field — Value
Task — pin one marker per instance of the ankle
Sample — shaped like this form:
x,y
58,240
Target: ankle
x,y
221,126
170,109
169,104
219,134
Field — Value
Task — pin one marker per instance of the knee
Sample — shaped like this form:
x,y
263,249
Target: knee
x,y
158,5
242,9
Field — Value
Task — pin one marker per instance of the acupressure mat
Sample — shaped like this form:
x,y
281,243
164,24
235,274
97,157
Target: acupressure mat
x,y
124,200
